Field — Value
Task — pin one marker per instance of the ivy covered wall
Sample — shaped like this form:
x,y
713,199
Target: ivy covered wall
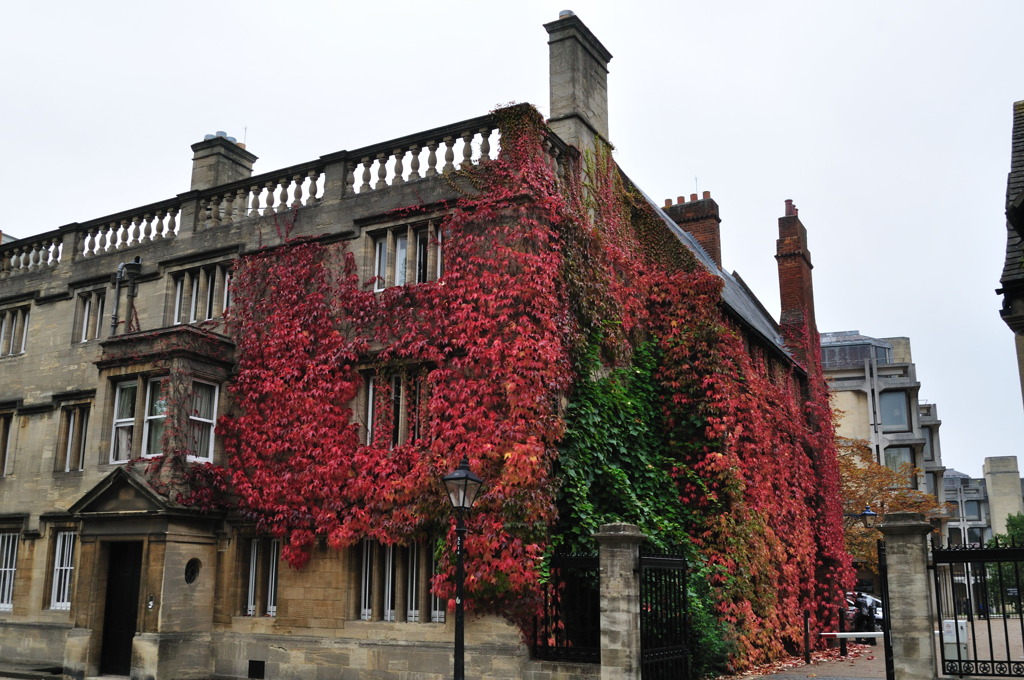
x,y
578,354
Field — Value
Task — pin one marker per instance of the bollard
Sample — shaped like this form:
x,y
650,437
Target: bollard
x,y
807,636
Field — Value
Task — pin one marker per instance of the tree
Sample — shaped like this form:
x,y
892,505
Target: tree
x,y
866,484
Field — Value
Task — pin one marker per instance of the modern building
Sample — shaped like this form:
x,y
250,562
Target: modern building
x,y
980,505
116,360
874,384
1012,279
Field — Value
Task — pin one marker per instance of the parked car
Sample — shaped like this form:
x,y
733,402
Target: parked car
x,y
851,610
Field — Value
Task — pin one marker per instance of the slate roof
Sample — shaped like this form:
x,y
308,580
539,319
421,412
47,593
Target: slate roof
x,y
735,295
1013,268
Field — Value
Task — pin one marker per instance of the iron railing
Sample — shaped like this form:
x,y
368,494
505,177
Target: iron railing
x,y
980,610
570,627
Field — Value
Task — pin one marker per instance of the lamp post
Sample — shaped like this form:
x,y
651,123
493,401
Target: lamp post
x,y
868,518
462,487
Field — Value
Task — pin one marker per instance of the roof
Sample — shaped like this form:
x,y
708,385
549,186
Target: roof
x,y
735,294
1013,269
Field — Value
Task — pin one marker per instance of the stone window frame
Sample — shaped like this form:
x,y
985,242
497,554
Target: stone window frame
x,y
14,326
408,393
6,440
9,539
62,568
89,309
262,572
73,435
419,244
200,293
151,425
394,583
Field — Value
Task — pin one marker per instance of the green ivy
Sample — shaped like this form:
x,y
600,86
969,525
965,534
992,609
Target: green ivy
x,y
613,469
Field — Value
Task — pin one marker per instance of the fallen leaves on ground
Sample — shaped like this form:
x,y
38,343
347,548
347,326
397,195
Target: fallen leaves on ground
x,y
855,651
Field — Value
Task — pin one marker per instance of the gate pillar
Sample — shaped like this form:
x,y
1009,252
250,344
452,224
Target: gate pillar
x,y
908,598
620,601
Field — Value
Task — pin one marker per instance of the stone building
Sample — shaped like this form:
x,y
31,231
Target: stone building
x,y
109,325
1012,280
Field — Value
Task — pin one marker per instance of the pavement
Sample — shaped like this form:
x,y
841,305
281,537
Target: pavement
x,y
27,671
861,661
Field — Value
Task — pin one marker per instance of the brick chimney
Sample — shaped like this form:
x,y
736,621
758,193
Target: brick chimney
x,y
578,72
219,160
796,289
700,219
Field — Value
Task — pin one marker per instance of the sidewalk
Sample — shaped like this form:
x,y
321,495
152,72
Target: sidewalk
x,y
862,661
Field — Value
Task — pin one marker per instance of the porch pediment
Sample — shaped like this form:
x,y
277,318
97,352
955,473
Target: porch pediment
x,y
121,491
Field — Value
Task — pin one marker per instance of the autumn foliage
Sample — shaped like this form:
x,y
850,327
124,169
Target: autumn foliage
x,y
571,338
867,484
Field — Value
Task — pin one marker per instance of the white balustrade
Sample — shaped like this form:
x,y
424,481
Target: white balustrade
x,y
419,160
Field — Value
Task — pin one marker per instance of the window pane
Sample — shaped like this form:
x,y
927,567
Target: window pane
x,y
400,260
156,413
124,422
273,557
975,535
412,586
202,400
380,263
896,456
422,243
366,581
126,400
8,562
154,437
254,562
157,399
63,564
894,411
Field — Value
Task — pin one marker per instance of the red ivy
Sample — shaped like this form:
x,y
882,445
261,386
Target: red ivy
x,y
535,268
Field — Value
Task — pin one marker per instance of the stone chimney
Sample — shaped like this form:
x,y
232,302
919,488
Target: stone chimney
x,y
700,219
219,160
796,289
578,82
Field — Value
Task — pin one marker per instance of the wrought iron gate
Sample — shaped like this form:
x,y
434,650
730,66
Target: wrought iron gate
x,y
979,594
569,628
664,624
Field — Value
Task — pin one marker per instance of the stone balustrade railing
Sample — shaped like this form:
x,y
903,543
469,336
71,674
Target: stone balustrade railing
x,y
373,168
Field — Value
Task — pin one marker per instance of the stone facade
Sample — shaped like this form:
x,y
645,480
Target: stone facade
x,y
104,323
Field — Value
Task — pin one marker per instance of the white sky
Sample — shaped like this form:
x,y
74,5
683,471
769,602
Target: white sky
x,y
888,123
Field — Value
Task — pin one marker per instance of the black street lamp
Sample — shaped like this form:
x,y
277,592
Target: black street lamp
x,y
462,487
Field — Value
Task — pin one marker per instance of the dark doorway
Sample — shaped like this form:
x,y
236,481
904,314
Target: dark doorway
x,y
122,608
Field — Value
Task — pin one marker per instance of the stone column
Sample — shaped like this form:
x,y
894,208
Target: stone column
x,y
620,601
909,604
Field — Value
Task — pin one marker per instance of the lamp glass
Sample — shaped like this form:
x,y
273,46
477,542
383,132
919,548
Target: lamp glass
x,y
462,486
868,518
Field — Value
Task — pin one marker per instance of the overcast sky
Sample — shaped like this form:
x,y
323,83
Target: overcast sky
x,y
887,123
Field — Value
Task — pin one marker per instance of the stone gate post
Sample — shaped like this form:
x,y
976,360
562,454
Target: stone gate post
x,y
911,622
620,601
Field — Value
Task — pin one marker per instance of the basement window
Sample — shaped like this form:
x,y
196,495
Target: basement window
x,y
394,583
261,588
